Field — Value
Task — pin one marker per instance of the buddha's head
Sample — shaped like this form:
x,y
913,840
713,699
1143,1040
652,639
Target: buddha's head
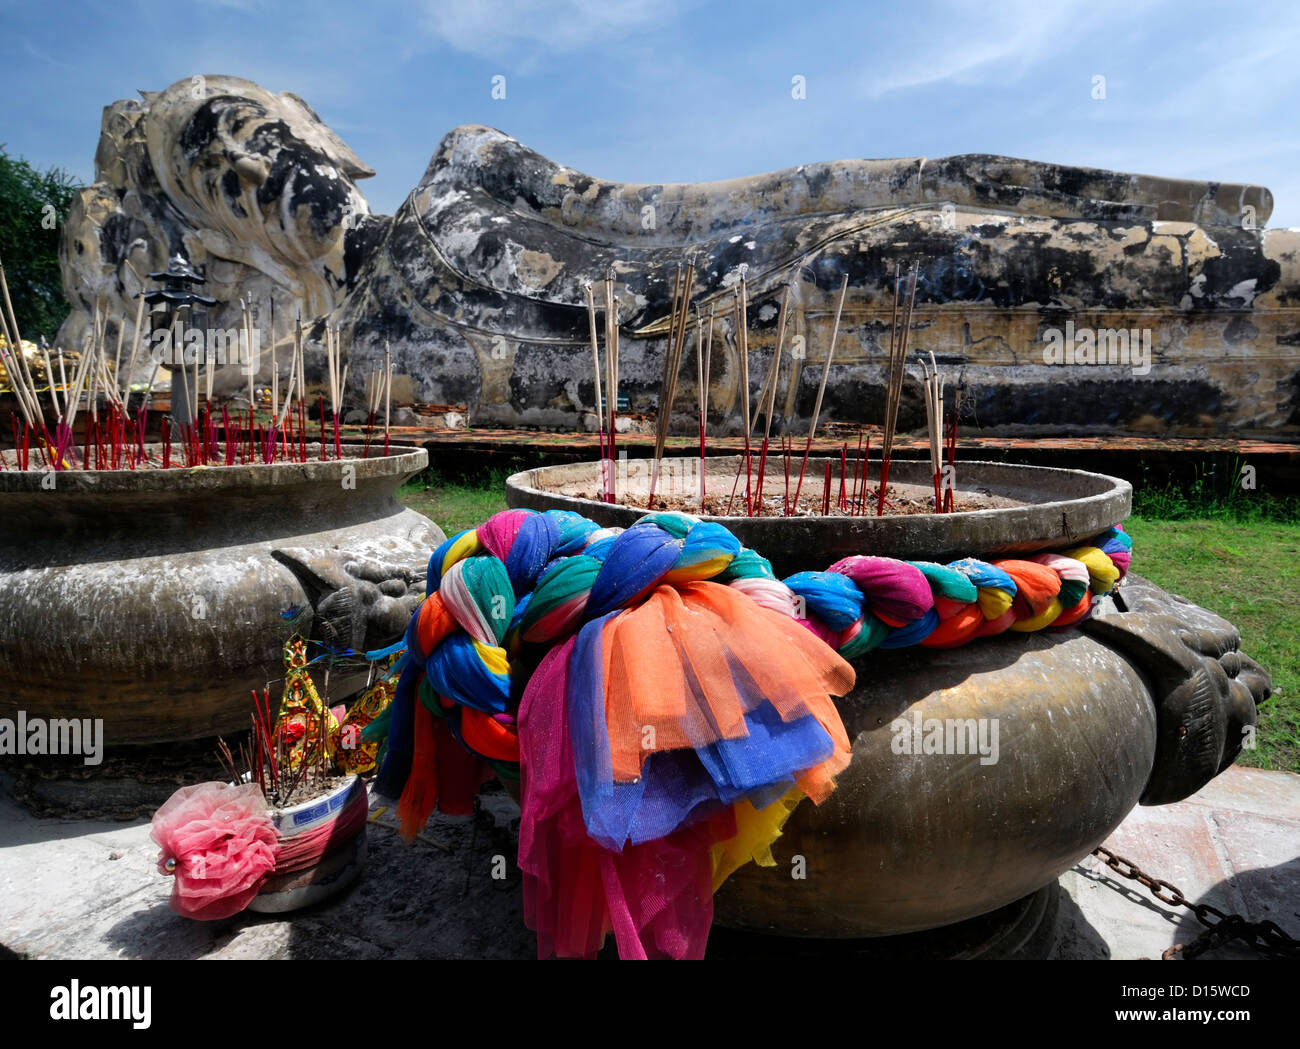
x,y
261,168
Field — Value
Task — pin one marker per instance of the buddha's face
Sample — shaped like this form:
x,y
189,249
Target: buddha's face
x,y
260,168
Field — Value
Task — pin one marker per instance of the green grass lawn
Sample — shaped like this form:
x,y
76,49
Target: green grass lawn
x,y
1238,558
452,506
1248,572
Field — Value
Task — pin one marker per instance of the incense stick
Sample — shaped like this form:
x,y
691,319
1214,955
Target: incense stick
x,y
949,496
701,396
611,376
246,321
275,381
708,363
135,346
49,374
821,386
63,382
388,392
859,477
117,356
595,371
704,406
742,349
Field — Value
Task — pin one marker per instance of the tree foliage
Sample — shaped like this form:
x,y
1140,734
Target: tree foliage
x,y
33,207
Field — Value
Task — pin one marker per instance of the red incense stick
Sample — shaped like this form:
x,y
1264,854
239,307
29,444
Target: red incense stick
x,y
762,469
866,467
859,482
786,441
844,465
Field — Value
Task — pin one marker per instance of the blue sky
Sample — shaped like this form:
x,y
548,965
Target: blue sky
x,y
673,91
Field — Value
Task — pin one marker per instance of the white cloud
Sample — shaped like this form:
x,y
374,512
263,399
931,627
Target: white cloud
x,y
496,28
32,50
969,44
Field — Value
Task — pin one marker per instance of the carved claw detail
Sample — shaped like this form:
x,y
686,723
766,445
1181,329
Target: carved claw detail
x,y
1205,690
358,602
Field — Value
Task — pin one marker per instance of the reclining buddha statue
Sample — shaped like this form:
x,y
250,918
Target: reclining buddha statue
x,y
1183,306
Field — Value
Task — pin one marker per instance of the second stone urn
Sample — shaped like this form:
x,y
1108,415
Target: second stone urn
x,y
980,773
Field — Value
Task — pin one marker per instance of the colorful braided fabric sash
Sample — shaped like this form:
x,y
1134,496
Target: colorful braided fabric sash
x,y
664,700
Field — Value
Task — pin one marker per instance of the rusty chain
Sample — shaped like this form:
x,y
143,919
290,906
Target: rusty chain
x,y
1265,936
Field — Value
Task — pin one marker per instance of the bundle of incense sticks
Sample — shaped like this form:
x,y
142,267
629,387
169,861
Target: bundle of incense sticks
x,y
20,377
85,367
332,354
897,361
260,760
932,382
672,361
271,441
606,466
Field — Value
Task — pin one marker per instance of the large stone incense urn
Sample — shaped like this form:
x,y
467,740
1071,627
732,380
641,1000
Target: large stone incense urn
x,y
1144,703
156,599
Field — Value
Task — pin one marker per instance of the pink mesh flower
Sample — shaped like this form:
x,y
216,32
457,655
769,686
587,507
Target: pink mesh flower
x,y
219,843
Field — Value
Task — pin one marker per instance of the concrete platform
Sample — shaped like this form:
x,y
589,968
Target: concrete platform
x,y
1234,845
90,889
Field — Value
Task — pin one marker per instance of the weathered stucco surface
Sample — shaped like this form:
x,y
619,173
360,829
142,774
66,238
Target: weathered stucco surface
x,y
477,283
